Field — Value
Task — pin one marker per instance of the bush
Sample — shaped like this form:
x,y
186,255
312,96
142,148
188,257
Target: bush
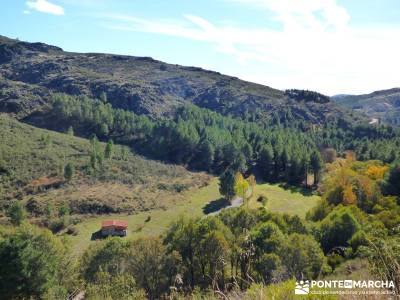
x,y
357,240
337,228
75,220
58,224
34,207
16,213
34,265
263,200
91,206
72,230
335,260
179,187
69,171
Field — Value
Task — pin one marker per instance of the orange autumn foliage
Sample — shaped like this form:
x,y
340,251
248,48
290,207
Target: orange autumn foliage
x,y
353,182
350,156
348,195
376,172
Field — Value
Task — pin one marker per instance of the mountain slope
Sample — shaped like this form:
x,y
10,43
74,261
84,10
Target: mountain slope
x,y
383,105
31,169
29,72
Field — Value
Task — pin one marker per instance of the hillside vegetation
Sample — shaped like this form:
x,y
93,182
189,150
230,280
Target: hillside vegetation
x,y
243,253
206,140
309,190
32,166
382,105
29,72
154,222
199,119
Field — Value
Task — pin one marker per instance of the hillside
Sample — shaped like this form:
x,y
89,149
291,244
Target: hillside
x,y
383,105
31,169
29,72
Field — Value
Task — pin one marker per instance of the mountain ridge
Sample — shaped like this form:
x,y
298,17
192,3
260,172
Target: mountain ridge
x,y
31,72
383,104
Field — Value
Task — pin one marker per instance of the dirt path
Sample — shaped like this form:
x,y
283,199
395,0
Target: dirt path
x,y
236,202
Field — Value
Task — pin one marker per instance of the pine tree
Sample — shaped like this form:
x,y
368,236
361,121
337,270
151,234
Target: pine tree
x,y
93,161
96,156
227,184
316,165
108,151
63,210
304,169
16,213
70,131
103,97
266,162
69,171
104,130
205,158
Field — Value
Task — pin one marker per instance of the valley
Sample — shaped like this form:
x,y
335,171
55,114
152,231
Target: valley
x,y
229,188
155,221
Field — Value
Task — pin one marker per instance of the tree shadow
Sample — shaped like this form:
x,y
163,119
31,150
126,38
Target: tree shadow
x,y
215,205
308,192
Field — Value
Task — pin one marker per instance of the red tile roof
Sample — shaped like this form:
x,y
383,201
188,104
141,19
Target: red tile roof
x,y
116,223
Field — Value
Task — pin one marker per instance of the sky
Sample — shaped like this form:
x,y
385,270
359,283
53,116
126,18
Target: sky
x,y
330,46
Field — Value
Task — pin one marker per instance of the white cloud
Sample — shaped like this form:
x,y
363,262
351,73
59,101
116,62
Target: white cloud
x,y
45,7
316,47
312,14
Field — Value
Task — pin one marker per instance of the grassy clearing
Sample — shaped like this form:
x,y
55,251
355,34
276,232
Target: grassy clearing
x,y
279,200
292,201
192,206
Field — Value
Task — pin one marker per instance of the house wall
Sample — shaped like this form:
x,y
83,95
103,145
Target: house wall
x,y
112,231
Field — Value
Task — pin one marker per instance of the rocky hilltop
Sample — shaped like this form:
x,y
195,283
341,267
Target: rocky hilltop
x,y
381,105
31,72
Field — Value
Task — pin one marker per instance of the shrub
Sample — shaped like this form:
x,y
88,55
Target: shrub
x,y
335,260
357,240
34,265
72,230
58,224
69,171
337,228
263,199
16,213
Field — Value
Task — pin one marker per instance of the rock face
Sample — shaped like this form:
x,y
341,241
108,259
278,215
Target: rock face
x,y
30,72
382,105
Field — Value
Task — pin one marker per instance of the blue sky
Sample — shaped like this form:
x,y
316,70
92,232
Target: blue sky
x,y
331,46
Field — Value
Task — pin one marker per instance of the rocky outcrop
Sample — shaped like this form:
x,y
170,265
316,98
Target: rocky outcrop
x,y
31,72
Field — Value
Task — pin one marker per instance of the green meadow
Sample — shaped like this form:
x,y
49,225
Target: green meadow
x,y
154,222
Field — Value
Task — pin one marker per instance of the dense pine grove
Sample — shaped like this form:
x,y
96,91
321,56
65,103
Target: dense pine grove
x,y
279,150
308,96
